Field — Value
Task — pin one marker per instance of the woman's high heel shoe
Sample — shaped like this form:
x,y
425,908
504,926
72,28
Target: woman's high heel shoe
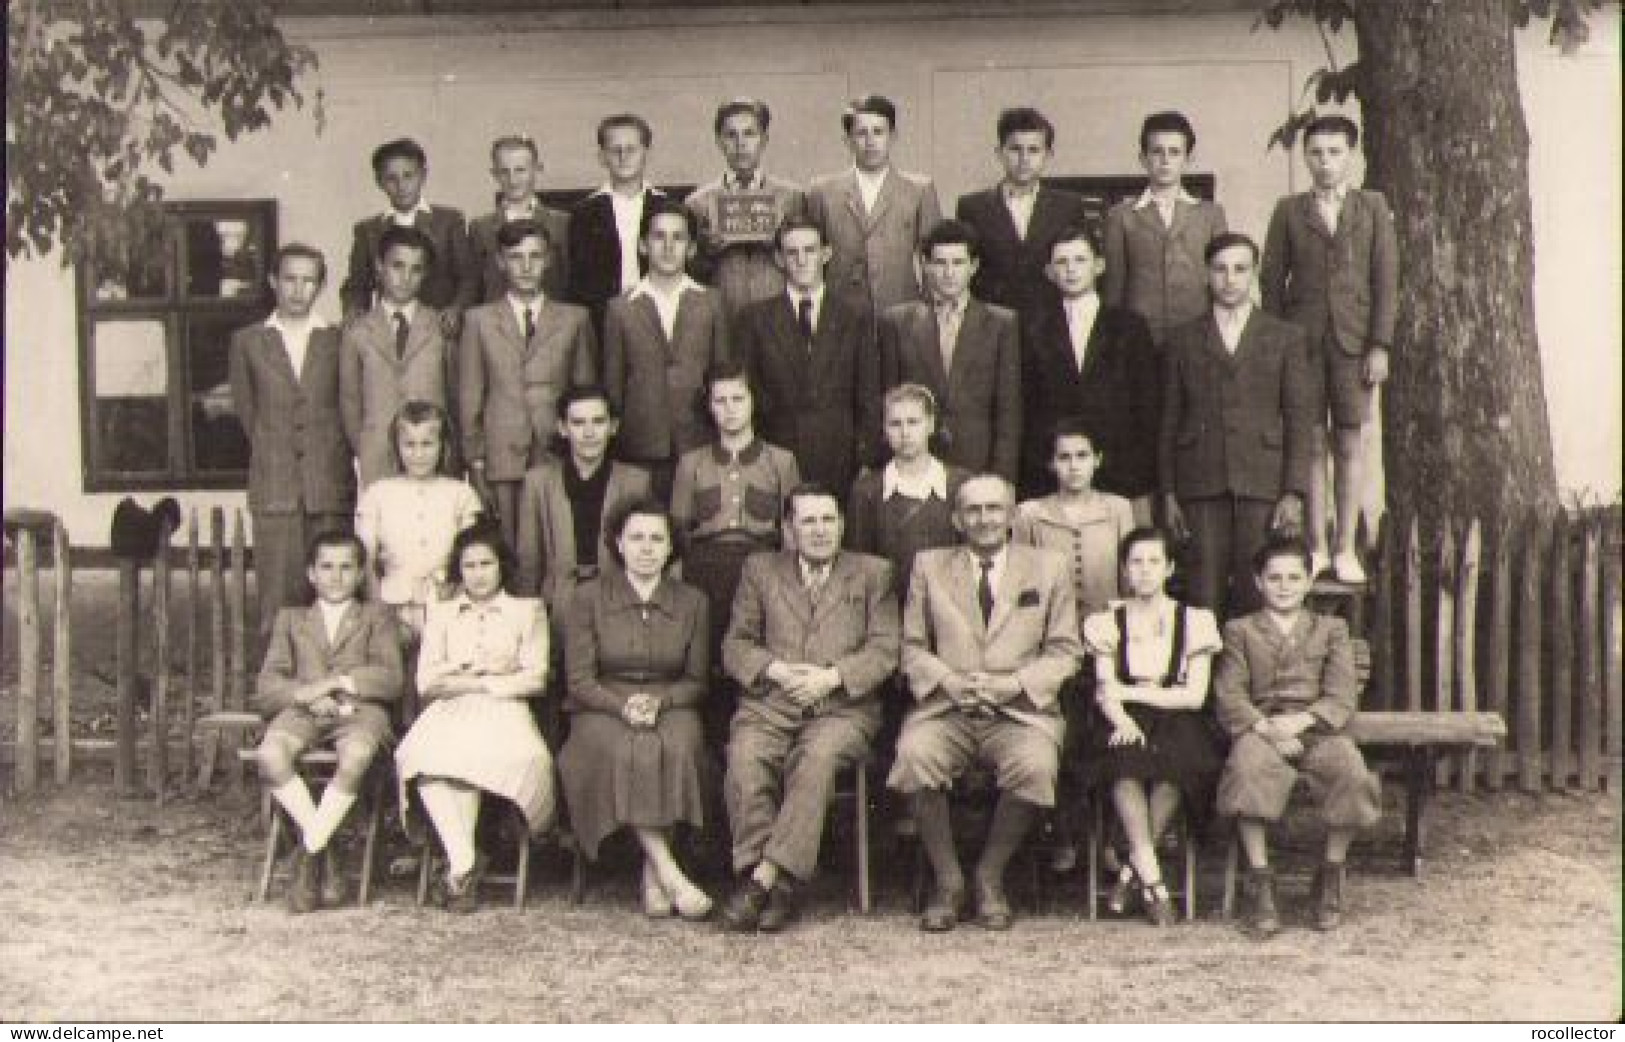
x,y
1159,908
656,902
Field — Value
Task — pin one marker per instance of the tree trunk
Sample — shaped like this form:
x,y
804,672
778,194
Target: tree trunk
x,y
1467,432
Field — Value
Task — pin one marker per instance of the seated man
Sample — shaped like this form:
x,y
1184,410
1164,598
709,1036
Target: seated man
x,y
990,634
328,673
813,636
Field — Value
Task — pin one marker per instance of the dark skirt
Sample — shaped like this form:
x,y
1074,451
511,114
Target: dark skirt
x,y
615,776
1181,746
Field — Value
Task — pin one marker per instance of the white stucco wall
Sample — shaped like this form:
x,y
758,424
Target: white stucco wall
x,y
454,84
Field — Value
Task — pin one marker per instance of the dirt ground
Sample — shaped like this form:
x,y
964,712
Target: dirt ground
x,y
116,910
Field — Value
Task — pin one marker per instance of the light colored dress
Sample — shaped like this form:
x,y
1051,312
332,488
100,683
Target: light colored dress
x,y
1090,542
487,740
408,527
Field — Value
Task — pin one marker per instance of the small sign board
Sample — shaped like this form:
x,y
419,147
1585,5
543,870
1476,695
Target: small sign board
x,y
747,217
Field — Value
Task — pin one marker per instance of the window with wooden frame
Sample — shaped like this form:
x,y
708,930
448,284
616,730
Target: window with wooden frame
x,y
155,401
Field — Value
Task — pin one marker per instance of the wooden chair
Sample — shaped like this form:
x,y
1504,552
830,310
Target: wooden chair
x,y
1184,892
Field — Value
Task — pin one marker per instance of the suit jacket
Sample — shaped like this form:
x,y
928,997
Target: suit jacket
x,y
979,410
875,252
820,404
367,649
1236,424
1344,282
1156,270
374,383
1264,672
593,249
492,281
452,280
853,626
655,381
1033,632
1118,393
508,390
299,459
1012,270
547,535
744,272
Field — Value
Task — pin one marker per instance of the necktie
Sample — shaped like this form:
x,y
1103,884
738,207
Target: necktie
x,y
400,334
804,319
530,325
984,588
815,581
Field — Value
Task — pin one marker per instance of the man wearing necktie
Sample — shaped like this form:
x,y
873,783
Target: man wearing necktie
x,y
989,636
812,638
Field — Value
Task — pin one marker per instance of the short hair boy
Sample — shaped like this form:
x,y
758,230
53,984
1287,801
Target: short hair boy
x,y
329,674
401,168
1331,265
516,167
1154,243
1019,217
603,245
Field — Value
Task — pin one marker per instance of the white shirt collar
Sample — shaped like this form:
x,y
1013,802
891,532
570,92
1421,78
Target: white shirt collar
x,y
731,183
1181,196
1084,303
409,309
608,188
646,287
934,482
534,306
1010,194
312,322
332,615
806,568
391,214
1337,194
816,294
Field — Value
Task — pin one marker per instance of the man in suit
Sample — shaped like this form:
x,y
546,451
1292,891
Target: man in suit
x,y
813,635
1331,265
811,356
401,168
393,354
1017,219
967,352
285,388
1083,359
517,356
516,165
741,266
329,674
874,215
990,633
1233,448
603,245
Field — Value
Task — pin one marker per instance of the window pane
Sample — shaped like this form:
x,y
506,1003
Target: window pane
x,y
225,257
131,385
218,443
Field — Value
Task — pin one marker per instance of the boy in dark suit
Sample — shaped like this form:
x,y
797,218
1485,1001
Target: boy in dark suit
x,y
1233,448
1082,358
285,388
604,227
967,352
400,168
1331,264
811,355
516,165
1017,219
330,672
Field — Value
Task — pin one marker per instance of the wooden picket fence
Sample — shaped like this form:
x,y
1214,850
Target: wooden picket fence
x,y
1521,619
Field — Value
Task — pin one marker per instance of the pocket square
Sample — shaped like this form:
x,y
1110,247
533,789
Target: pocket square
x,y
1028,599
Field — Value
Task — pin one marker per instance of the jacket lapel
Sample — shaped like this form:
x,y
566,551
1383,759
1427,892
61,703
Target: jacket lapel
x,y
786,336
928,340
649,315
1312,216
795,592
962,577
420,333
969,336
1011,583
883,199
349,625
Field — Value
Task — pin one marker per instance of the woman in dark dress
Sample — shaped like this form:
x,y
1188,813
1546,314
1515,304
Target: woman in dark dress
x,y
1154,747
637,657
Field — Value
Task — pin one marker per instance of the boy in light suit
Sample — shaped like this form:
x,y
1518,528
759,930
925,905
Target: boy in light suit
x,y
1331,265
516,166
874,216
393,354
285,388
518,354
401,168
329,674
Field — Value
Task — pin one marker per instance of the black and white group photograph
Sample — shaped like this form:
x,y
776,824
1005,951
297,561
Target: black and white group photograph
x,y
792,512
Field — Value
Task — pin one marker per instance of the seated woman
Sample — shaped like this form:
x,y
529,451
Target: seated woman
x,y
484,653
1152,661
637,658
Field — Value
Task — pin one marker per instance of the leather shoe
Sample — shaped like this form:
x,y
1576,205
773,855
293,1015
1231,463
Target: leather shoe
x,y
1328,895
304,894
1258,887
656,902
993,909
463,894
780,911
335,891
942,912
1159,908
743,912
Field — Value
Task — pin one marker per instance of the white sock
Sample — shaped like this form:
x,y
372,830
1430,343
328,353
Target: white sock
x,y
336,803
454,810
294,797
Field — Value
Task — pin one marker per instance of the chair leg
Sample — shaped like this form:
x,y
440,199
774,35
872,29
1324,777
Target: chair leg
x,y
273,837
578,876
1097,836
425,870
861,810
521,876
369,849
1231,854
1187,845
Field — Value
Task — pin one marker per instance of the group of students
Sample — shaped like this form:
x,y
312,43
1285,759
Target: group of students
x,y
715,497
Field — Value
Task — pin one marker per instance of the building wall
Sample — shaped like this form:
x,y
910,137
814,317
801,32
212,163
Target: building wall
x,y
456,83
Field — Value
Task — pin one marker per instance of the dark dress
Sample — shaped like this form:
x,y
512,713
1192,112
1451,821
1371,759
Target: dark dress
x,y
1180,745
615,775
